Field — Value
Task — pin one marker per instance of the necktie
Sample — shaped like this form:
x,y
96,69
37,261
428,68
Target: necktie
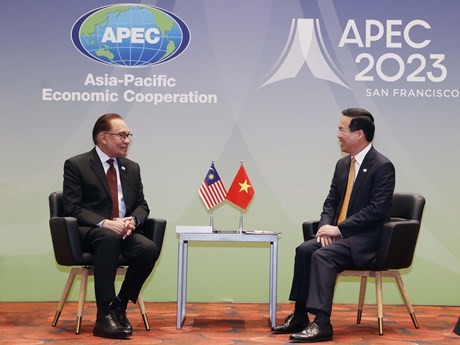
x,y
113,185
346,199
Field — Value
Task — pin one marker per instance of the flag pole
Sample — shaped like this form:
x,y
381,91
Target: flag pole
x,y
211,216
212,192
241,212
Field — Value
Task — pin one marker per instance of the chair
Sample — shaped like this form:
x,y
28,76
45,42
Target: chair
x,y
396,251
68,252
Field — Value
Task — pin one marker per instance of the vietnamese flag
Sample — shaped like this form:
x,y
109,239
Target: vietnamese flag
x,y
241,190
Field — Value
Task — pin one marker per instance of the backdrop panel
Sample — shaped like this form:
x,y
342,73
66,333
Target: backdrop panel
x,y
260,81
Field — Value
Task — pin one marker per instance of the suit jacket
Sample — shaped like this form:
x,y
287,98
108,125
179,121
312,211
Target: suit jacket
x,y
87,195
369,207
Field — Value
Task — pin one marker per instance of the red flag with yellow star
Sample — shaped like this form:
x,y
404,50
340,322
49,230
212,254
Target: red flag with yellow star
x,y
241,190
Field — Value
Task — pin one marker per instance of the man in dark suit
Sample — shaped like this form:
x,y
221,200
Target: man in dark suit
x,y
110,217
349,231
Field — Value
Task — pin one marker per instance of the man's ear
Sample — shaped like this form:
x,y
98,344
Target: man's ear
x,y
101,138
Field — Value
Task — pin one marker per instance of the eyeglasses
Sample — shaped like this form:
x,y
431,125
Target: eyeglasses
x,y
122,135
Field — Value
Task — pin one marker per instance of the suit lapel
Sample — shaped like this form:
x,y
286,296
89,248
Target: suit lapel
x,y
362,174
123,169
344,178
98,169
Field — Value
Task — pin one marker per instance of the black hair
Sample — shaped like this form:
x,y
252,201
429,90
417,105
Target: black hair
x,y
361,119
103,124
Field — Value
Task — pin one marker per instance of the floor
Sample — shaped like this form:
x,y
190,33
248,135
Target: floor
x,y
222,324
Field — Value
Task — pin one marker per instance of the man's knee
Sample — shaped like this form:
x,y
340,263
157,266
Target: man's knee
x,y
151,250
105,238
323,257
318,255
111,235
306,248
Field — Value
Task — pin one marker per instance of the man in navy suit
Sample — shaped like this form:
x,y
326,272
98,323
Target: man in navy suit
x,y
110,221
344,240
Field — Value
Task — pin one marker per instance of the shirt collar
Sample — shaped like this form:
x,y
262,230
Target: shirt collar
x,y
360,156
102,156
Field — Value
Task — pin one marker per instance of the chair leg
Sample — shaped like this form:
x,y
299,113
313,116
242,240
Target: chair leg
x,y
379,296
362,294
65,295
85,271
141,304
405,296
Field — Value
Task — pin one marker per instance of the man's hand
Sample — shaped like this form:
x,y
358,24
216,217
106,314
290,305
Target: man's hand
x,y
130,223
327,235
122,226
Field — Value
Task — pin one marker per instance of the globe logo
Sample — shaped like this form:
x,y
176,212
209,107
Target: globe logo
x,y
130,35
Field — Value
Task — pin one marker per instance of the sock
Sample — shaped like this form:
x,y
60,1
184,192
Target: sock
x,y
300,310
322,318
103,309
123,297
120,302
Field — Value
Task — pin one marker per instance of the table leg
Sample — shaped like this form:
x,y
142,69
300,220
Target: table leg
x,y
273,280
180,315
184,278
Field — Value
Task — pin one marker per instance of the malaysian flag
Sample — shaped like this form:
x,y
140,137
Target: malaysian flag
x,y
212,190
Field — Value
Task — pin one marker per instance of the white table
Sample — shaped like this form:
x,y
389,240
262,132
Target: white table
x,y
185,238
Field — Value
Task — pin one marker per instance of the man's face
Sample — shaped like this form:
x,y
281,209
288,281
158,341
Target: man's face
x,y
115,142
347,140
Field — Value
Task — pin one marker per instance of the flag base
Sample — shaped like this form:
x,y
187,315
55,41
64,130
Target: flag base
x,y
241,222
211,222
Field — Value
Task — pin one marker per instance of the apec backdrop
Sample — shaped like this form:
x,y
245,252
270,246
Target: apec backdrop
x,y
260,81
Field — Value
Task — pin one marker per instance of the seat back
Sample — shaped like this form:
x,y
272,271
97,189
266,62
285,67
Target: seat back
x,y
309,229
399,236
407,206
64,234
154,228
56,204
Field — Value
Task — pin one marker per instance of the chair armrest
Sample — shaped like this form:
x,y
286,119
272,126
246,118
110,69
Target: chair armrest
x,y
309,229
154,228
397,245
66,241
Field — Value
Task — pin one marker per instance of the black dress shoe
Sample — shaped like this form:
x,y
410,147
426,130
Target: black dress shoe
x,y
292,324
120,315
313,334
107,326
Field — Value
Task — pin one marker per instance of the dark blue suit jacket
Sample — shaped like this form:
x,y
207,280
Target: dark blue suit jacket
x,y
369,206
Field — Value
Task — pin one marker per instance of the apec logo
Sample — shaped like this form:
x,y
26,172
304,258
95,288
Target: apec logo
x,y
305,45
130,35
